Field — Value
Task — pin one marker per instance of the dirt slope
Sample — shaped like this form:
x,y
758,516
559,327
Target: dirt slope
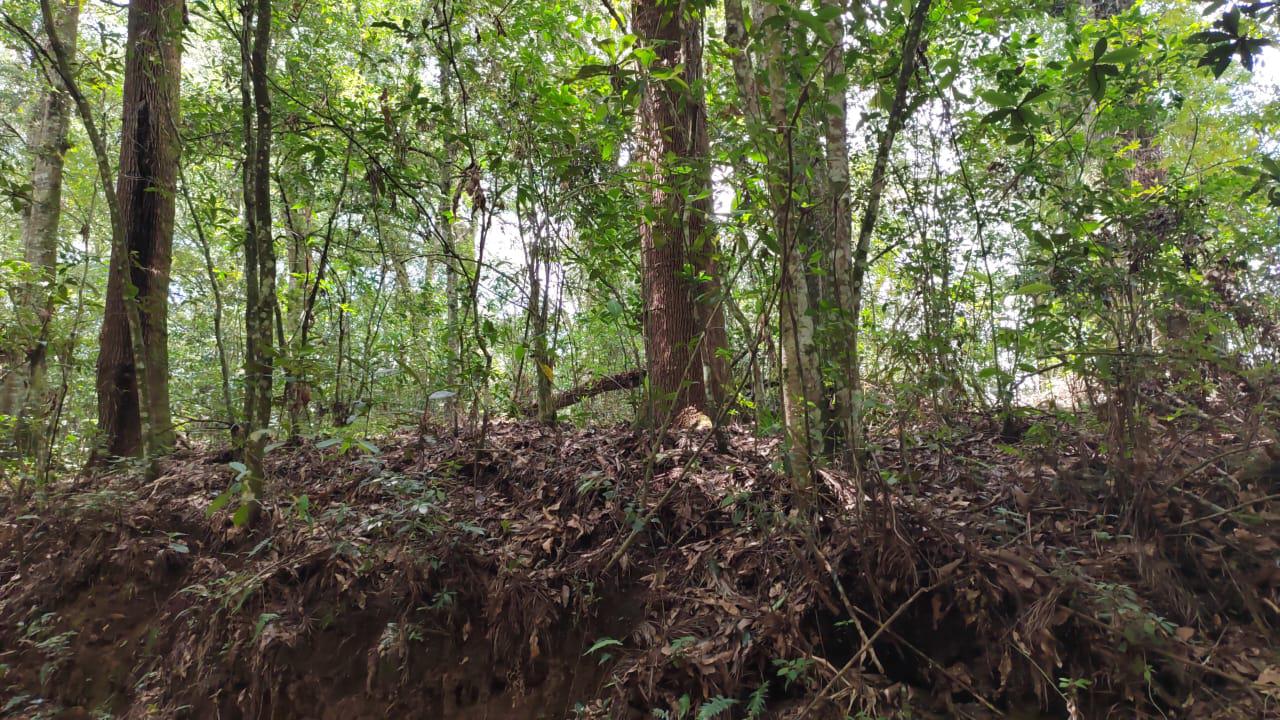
x,y
499,577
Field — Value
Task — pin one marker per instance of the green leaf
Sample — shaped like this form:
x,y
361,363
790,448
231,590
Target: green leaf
x,y
218,503
242,515
591,70
1122,55
816,24
263,620
715,707
998,98
1039,93
1034,288
601,644
1097,80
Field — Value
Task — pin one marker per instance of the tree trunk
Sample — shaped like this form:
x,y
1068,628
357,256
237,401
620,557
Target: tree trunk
x,y
839,245
140,264
260,254
712,294
879,173
25,393
455,237
772,131
671,119
216,291
539,269
248,197
802,400
297,390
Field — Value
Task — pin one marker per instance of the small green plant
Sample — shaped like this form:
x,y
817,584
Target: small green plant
x,y
55,647
715,707
1072,685
601,644
756,703
792,670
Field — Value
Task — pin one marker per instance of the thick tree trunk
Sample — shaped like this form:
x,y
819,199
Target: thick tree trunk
x,y
671,118
24,393
145,192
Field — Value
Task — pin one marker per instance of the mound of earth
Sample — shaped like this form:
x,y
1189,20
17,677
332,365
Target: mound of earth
x,y
534,573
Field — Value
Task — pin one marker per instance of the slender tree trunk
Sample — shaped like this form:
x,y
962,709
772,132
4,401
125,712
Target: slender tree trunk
x,y
839,245
300,222
712,293
879,173
456,240
772,129
228,407
248,196
539,275
260,254
133,372
802,400
735,36
25,393
670,122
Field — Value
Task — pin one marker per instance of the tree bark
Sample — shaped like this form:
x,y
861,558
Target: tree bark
x,y
839,244
802,399
671,119
712,293
25,394
773,131
539,267
260,254
145,192
300,222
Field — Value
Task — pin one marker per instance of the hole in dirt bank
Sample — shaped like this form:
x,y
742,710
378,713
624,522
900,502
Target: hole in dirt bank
x,y
957,669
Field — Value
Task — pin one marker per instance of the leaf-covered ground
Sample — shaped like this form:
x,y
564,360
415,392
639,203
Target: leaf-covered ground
x,y
533,573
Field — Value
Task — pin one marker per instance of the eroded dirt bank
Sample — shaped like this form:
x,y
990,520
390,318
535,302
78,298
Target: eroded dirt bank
x,y
491,578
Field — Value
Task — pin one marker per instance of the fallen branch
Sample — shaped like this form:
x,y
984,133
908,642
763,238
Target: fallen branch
x,y
627,380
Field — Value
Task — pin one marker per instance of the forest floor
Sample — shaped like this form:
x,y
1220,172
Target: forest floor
x,y
984,574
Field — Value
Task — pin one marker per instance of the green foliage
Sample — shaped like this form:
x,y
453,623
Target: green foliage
x,y
715,707
1073,199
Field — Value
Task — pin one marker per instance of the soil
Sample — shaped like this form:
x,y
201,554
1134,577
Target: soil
x,y
533,573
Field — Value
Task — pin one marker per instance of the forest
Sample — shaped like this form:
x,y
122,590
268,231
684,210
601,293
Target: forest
x,y
683,359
